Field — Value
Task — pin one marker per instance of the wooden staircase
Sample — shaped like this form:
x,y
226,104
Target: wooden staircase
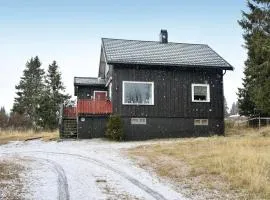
x,y
85,107
69,128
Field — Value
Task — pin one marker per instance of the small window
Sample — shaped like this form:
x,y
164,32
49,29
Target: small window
x,y
201,122
138,93
100,95
200,93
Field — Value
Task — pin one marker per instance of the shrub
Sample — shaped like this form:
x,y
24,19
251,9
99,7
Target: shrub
x,y
114,129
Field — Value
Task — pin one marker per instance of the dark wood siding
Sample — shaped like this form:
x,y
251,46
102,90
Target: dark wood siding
x,y
173,112
172,92
92,126
170,127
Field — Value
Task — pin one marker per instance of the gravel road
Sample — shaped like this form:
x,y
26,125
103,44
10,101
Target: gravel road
x,y
86,169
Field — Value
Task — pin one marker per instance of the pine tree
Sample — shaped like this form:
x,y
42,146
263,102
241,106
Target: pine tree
x,y
53,96
255,93
3,110
246,105
3,118
29,91
226,114
234,109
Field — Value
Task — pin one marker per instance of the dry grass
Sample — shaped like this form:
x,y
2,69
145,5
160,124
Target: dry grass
x,y
11,135
235,167
11,185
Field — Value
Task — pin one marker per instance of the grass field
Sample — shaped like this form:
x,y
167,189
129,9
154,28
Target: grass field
x,y
233,167
12,135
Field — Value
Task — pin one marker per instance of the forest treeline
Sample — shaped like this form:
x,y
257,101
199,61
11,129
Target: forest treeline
x,y
254,96
38,97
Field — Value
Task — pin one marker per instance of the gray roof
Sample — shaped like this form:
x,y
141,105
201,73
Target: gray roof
x,y
88,81
157,53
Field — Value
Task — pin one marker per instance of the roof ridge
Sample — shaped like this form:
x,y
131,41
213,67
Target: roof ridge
x,y
157,41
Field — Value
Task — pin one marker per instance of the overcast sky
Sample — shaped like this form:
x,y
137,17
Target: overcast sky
x,y
70,32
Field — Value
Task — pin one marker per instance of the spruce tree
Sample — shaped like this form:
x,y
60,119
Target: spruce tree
x,y
53,96
255,93
226,114
3,118
29,91
234,109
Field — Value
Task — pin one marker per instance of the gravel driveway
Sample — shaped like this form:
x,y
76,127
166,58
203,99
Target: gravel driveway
x,y
86,169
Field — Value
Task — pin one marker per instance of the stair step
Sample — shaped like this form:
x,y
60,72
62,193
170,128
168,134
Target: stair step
x,y
69,128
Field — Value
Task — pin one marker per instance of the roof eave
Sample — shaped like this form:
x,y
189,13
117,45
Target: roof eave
x,y
89,84
172,65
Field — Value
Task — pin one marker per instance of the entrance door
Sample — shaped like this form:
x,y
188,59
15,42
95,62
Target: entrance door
x,y
100,95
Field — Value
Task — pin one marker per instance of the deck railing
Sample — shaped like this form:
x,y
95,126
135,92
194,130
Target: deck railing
x,y
70,112
88,106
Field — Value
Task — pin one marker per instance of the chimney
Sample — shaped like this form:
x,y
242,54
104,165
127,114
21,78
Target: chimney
x,y
163,36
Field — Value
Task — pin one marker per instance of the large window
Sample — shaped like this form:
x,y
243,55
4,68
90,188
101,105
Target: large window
x,y
200,93
138,93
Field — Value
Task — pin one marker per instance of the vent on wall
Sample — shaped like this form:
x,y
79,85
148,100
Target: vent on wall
x,y
201,122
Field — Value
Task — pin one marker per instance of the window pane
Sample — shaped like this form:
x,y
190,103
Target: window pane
x,y
200,93
204,121
197,122
138,93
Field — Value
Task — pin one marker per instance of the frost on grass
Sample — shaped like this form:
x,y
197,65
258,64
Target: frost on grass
x,y
94,169
40,180
22,178
113,193
11,182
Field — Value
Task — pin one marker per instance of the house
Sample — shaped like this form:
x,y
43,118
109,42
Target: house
x,y
158,88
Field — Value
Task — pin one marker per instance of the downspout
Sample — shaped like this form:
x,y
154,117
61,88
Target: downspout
x,y
223,102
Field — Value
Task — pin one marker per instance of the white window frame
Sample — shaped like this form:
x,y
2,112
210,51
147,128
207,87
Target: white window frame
x,y
110,90
142,82
207,96
99,91
201,122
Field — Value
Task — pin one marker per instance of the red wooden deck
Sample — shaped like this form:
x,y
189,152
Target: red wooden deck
x,y
88,106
